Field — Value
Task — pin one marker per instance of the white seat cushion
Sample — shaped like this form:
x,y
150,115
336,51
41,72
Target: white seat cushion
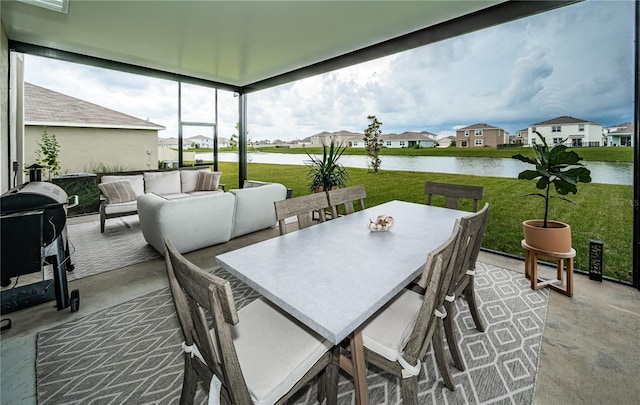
x,y
204,192
254,209
175,196
274,350
162,182
388,333
120,208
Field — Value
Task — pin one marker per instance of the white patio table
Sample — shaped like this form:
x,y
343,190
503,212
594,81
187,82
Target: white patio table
x,y
334,275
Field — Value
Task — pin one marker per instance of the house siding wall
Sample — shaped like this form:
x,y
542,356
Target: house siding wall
x,y
522,137
405,143
82,149
491,137
592,133
616,140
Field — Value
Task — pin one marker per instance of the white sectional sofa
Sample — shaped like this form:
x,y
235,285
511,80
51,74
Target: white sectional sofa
x,y
206,220
119,191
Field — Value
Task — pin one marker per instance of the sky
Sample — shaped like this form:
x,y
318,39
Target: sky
x,y
576,61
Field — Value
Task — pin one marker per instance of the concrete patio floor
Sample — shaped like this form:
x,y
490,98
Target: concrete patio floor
x,y
589,353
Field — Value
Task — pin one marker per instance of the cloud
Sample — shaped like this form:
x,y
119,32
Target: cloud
x,y
527,79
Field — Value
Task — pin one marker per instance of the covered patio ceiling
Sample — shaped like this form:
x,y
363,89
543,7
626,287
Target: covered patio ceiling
x,y
245,45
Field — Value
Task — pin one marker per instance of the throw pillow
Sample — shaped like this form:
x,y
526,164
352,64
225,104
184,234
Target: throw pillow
x,y
208,181
118,191
137,181
189,179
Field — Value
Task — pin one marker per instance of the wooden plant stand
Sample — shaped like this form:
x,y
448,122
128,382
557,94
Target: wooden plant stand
x,y
531,256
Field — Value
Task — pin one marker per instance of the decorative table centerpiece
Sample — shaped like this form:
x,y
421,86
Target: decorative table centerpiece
x,y
382,223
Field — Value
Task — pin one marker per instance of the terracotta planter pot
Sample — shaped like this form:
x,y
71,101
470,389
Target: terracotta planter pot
x,y
320,189
555,238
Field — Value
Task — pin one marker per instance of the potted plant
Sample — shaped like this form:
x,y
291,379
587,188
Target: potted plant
x,y
325,173
561,168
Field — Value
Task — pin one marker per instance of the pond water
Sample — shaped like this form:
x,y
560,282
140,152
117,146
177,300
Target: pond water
x,y
601,172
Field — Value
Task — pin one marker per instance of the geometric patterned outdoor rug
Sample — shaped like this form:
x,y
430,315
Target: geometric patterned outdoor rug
x,y
121,244
131,353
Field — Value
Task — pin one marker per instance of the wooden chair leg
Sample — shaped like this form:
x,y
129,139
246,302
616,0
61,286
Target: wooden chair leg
x,y
322,386
438,349
332,377
189,382
410,390
470,295
452,340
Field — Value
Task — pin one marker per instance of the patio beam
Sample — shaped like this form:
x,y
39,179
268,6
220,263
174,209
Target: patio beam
x,y
73,57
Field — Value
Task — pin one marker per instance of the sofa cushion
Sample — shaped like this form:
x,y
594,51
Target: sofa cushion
x,y
208,181
137,181
121,208
254,209
189,179
204,192
118,191
162,182
174,196
190,223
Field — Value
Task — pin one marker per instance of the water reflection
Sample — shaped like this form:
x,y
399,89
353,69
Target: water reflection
x,y
601,172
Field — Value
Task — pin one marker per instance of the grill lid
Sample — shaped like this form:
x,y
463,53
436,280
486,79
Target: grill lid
x,y
38,195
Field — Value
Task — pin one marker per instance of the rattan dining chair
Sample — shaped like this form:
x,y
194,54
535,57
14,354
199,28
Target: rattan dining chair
x,y
462,281
303,208
397,338
453,193
254,355
346,197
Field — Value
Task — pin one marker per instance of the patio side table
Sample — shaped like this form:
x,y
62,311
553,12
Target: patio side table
x,y
531,256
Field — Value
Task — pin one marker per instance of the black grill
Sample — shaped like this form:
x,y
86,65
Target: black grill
x,y
33,233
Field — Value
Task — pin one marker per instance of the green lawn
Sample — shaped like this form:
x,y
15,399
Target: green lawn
x,y
602,211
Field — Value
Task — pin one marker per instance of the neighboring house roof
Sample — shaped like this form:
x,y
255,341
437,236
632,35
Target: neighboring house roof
x,y
168,141
480,126
523,130
564,120
50,108
200,138
343,136
410,136
624,128
355,136
341,132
